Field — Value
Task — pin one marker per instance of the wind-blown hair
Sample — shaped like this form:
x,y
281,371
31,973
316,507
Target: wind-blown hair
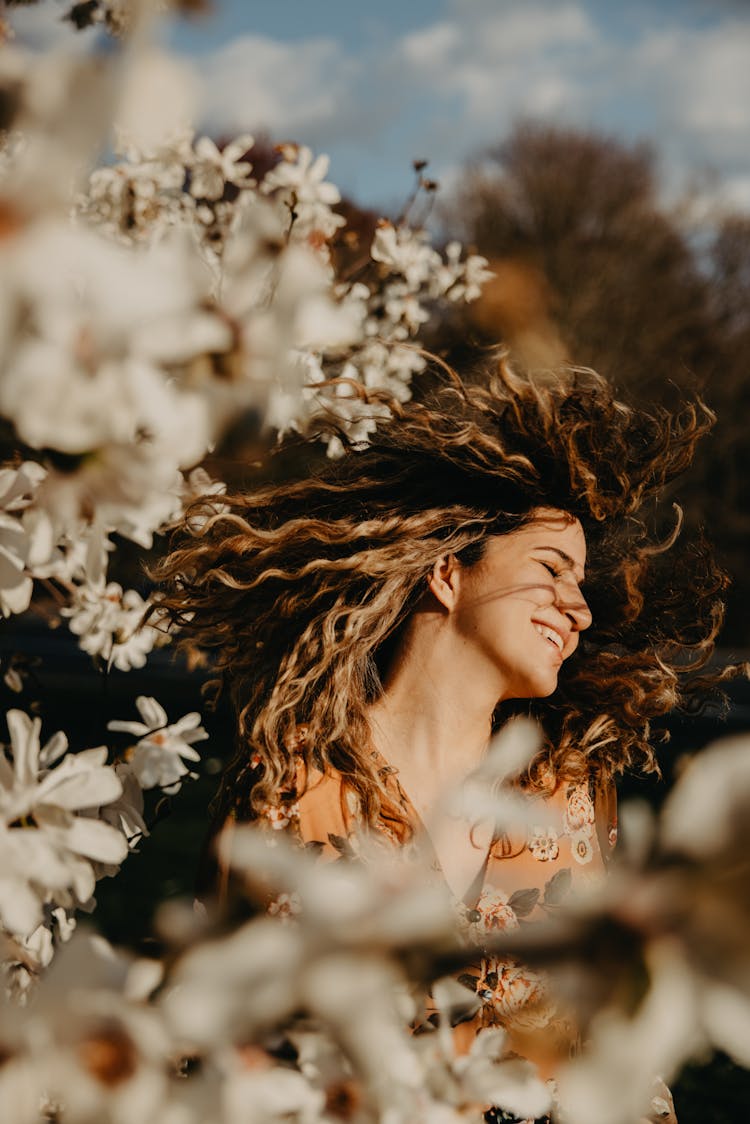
x,y
301,589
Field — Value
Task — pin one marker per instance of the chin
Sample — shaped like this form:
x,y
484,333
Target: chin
x,y
540,687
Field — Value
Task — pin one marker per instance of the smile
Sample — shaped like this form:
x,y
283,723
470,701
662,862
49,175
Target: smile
x,y
550,634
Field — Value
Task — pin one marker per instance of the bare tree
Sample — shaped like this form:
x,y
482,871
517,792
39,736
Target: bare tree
x,y
624,291
593,269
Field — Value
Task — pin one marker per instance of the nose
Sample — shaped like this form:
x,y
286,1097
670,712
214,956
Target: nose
x,y
572,604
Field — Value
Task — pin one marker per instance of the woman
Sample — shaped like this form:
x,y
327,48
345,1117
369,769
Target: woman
x,y
495,549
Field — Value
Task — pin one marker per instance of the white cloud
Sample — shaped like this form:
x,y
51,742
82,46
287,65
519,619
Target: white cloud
x,y
430,47
288,88
735,193
494,63
502,60
700,81
41,27
683,87
457,84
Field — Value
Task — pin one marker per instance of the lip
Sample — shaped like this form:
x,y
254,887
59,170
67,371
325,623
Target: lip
x,y
553,628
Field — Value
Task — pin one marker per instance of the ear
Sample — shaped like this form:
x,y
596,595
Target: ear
x,y
444,580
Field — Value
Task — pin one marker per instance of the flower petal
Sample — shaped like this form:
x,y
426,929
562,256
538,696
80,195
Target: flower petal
x,y
152,712
24,736
95,840
74,788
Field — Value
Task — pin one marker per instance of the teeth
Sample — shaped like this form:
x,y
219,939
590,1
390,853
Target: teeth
x,y
550,634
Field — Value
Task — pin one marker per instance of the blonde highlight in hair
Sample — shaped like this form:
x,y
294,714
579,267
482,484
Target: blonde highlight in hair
x,y
301,589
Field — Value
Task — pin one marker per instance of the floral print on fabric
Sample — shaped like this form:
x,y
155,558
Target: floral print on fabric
x,y
579,812
524,880
280,816
578,827
543,844
493,912
284,906
580,845
514,993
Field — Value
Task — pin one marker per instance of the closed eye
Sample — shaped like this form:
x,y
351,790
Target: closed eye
x,y
550,569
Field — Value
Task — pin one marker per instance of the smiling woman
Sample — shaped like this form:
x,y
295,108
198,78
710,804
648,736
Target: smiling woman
x,y
492,550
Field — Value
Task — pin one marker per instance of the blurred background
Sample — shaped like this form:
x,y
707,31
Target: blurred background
x,y
598,155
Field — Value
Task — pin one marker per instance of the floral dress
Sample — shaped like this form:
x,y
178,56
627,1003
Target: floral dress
x,y
523,880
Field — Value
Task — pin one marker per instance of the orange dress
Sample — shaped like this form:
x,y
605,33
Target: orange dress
x,y
522,881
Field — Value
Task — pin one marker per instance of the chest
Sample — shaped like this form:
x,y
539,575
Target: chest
x,y
512,876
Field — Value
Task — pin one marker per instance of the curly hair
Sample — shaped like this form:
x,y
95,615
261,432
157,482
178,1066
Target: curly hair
x,y
302,588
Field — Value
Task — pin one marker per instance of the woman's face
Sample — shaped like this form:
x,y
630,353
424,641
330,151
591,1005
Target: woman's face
x,y
520,609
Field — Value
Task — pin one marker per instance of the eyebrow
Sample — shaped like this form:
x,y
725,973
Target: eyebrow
x,y
569,562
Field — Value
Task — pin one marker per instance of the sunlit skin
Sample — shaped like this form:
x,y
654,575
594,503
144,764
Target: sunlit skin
x,y
497,630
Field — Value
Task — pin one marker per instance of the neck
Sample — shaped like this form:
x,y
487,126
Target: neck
x,y
433,719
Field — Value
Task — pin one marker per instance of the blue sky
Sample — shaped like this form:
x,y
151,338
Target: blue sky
x,y
378,85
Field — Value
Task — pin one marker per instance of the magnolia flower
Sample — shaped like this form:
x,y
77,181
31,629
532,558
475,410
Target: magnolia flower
x,y
490,1073
281,304
156,760
199,485
389,366
100,1051
109,622
405,251
17,544
102,301
15,583
126,812
213,168
49,834
282,301
459,280
268,1094
354,415
300,183
32,954
136,200
85,372
157,510
404,310
66,551
132,490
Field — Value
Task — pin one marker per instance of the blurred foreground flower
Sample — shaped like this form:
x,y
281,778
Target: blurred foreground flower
x,y
86,1048
657,961
361,931
50,833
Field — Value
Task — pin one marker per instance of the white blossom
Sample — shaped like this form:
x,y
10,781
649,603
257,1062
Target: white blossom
x,y
15,583
299,181
100,1051
21,545
127,812
406,252
199,485
34,953
109,622
48,835
139,198
213,168
457,279
157,758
